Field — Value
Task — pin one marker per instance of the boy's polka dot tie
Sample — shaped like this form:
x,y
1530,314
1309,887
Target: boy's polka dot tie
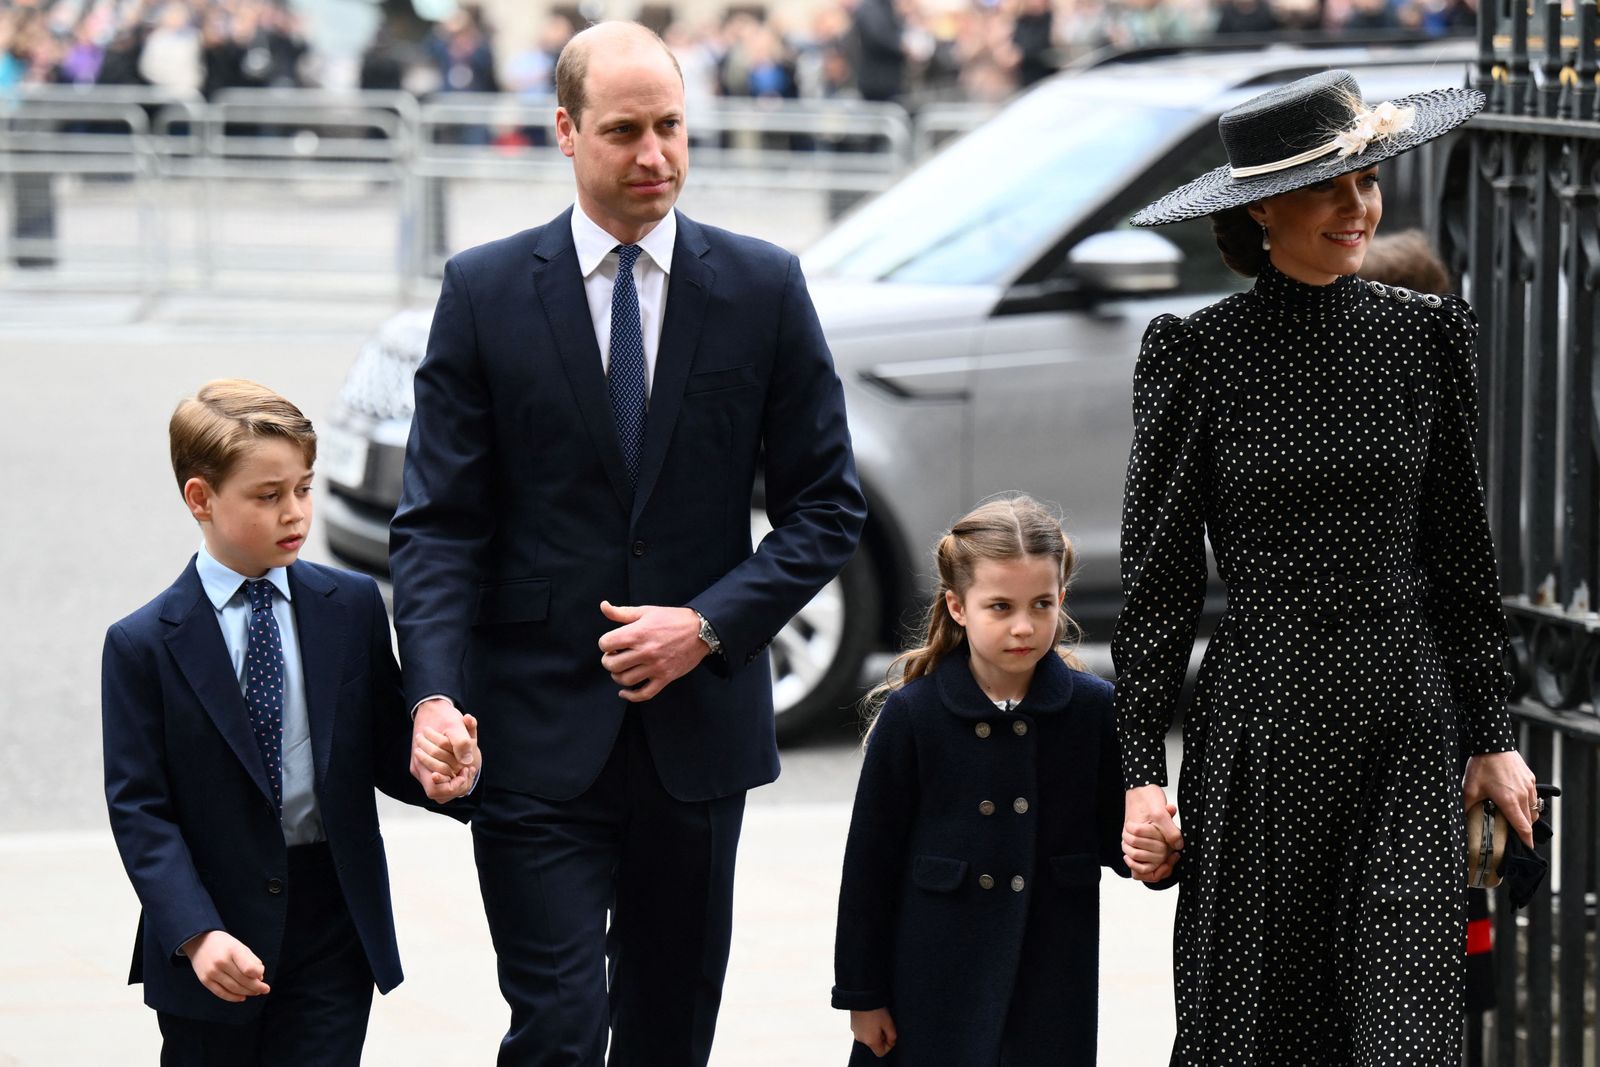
x,y
263,686
626,376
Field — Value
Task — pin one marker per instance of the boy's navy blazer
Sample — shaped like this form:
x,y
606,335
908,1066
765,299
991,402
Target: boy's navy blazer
x,y
518,517
190,804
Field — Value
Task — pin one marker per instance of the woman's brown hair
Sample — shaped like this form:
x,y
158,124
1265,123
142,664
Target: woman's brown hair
x,y
1005,528
1238,238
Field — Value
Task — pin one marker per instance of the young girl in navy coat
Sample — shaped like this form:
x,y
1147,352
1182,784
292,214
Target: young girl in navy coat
x,y
990,797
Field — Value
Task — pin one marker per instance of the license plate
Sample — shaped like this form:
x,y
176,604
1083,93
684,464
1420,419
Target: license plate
x,y
342,457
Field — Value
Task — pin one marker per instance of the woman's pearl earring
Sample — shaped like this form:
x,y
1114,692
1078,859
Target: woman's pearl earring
x,y
1266,240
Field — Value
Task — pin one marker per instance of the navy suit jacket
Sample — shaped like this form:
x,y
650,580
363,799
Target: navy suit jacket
x,y
517,517
191,807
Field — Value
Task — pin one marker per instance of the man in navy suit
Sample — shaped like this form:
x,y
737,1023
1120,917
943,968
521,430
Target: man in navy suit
x,y
247,713
573,564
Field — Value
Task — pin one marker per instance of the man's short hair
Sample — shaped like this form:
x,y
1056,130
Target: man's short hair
x,y
572,71
211,430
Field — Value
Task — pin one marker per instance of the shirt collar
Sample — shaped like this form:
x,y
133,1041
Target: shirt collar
x,y
594,244
222,583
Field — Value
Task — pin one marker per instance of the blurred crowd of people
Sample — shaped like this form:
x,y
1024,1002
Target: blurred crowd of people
x,y
184,45
906,50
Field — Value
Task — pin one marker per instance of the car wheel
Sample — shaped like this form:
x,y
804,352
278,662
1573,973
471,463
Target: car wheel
x,y
817,657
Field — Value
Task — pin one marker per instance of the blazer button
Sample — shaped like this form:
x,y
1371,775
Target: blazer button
x,y
982,729
985,881
985,807
274,886
1019,728
638,548
1017,884
1020,805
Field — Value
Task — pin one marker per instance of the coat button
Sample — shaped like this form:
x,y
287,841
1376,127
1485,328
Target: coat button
x,y
274,886
982,729
1019,728
638,548
1020,805
1017,884
985,881
985,807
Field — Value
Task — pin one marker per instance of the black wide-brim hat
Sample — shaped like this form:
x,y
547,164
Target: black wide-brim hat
x,y
1306,132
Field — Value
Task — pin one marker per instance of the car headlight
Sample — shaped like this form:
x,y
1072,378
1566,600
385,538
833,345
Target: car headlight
x,y
379,384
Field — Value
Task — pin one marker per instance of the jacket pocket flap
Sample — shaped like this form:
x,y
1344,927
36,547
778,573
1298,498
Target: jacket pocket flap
x,y
1072,871
707,380
938,873
519,600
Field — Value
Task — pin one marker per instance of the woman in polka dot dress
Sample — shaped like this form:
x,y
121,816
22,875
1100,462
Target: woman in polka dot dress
x,y
1319,429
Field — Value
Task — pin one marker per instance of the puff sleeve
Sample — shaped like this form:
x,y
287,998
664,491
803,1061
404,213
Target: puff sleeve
x,y
1163,545
1463,588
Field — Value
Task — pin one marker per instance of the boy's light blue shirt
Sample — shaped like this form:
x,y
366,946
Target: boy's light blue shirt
x,y
302,820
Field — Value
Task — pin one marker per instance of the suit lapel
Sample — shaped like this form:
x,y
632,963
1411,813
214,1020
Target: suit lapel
x,y
202,655
322,627
688,290
559,283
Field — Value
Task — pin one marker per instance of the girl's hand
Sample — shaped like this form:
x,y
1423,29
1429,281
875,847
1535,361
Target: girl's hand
x,y
874,1029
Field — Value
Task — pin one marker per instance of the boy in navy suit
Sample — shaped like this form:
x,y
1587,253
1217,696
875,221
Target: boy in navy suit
x,y
248,711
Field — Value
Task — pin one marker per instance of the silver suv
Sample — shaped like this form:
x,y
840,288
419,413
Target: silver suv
x,y
984,314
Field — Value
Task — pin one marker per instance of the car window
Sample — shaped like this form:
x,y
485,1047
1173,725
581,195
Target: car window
x,y
980,210
1202,270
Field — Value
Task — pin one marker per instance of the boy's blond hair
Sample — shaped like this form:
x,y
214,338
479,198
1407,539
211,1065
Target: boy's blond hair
x,y
211,430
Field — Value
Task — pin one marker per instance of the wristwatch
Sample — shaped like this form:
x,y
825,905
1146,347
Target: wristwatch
x,y
708,634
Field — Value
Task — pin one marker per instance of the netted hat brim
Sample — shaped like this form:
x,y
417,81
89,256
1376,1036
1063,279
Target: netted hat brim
x,y
1437,113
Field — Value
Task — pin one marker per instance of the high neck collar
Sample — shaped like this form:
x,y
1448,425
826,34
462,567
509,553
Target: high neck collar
x,y
1276,287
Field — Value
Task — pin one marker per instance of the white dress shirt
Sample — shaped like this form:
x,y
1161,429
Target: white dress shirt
x,y
597,259
302,818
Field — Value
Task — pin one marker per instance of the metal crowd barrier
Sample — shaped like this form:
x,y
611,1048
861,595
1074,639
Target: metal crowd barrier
x,y
98,151
938,124
795,151
152,192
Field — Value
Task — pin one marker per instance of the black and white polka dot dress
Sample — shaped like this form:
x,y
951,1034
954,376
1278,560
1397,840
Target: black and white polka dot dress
x,y
1322,437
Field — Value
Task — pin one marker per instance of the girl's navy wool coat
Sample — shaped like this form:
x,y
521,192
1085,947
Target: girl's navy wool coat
x,y
970,904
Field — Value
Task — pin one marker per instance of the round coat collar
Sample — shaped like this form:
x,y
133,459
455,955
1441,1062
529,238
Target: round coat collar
x,y
1049,692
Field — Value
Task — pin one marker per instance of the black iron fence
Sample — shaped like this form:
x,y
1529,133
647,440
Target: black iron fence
x,y
1521,222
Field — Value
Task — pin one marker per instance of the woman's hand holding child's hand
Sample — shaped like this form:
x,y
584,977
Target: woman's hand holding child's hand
x,y
1151,841
1146,852
874,1029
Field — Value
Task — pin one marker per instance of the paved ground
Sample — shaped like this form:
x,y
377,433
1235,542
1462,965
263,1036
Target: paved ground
x,y
94,526
70,918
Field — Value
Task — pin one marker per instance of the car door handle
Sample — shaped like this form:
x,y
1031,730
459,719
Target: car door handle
x,y
923,379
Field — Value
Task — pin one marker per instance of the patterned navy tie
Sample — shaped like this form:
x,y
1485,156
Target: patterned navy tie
x,y
263,685
626,376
